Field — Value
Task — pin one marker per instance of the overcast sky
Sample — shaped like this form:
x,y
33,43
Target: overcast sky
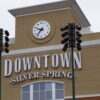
x,y
91,9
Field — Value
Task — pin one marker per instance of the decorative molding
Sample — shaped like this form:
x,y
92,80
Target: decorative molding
x,y
83,96
91,43
86,30
12,41
64,4
47,48
43,81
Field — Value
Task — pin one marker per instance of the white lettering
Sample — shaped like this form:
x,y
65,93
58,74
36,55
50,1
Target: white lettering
x,y
17,65
8,67
27,62
55,60
37,62
46,60
65,59
78,60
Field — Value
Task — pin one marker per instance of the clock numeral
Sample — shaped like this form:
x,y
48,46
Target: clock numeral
x,y
41,22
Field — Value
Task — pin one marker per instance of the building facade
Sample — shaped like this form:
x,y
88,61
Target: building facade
x,y
36,68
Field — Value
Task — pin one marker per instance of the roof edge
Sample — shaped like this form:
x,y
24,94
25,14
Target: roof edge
x,y
51,7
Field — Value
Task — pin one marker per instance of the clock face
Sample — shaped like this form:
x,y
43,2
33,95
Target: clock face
x,y
41,29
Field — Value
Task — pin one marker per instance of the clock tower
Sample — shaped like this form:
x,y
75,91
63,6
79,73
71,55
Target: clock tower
x,y
40,25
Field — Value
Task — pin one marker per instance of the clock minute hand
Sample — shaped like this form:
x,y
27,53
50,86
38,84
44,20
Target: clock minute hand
x,y
39,31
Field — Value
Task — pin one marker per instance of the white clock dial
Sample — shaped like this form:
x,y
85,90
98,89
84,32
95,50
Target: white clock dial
x,y
41,29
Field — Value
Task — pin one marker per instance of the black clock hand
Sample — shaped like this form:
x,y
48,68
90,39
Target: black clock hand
x,y
38,28
40,31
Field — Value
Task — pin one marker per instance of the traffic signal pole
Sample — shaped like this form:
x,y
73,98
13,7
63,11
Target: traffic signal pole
x,y
6,45
0,75
72,45
1,35
73,72
72,40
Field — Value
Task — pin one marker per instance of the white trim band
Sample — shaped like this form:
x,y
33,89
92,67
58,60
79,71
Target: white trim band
x,y
47,48
83,96
43,12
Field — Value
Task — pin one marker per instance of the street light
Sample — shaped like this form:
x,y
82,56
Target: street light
x,y
72,40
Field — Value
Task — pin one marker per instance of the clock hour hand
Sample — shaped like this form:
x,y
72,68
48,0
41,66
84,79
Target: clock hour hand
x,y
41,29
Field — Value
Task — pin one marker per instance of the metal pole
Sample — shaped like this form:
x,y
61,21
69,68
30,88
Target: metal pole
x,y
1,37
0,75
1,49
73,75
72,41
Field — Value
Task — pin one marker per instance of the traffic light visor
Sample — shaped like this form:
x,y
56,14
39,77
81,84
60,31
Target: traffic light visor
x,y
6,33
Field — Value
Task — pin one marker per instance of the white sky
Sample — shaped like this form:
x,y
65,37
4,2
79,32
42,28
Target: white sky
x,y
91,9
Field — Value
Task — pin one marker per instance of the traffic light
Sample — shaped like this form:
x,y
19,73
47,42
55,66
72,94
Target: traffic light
x,y
72,40
65,46
69,41
6,41
65,36
1,39
71,36
78,36
78,27
64,28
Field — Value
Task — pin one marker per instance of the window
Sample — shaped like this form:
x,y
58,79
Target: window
x,y
43,91
26,93
59,91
